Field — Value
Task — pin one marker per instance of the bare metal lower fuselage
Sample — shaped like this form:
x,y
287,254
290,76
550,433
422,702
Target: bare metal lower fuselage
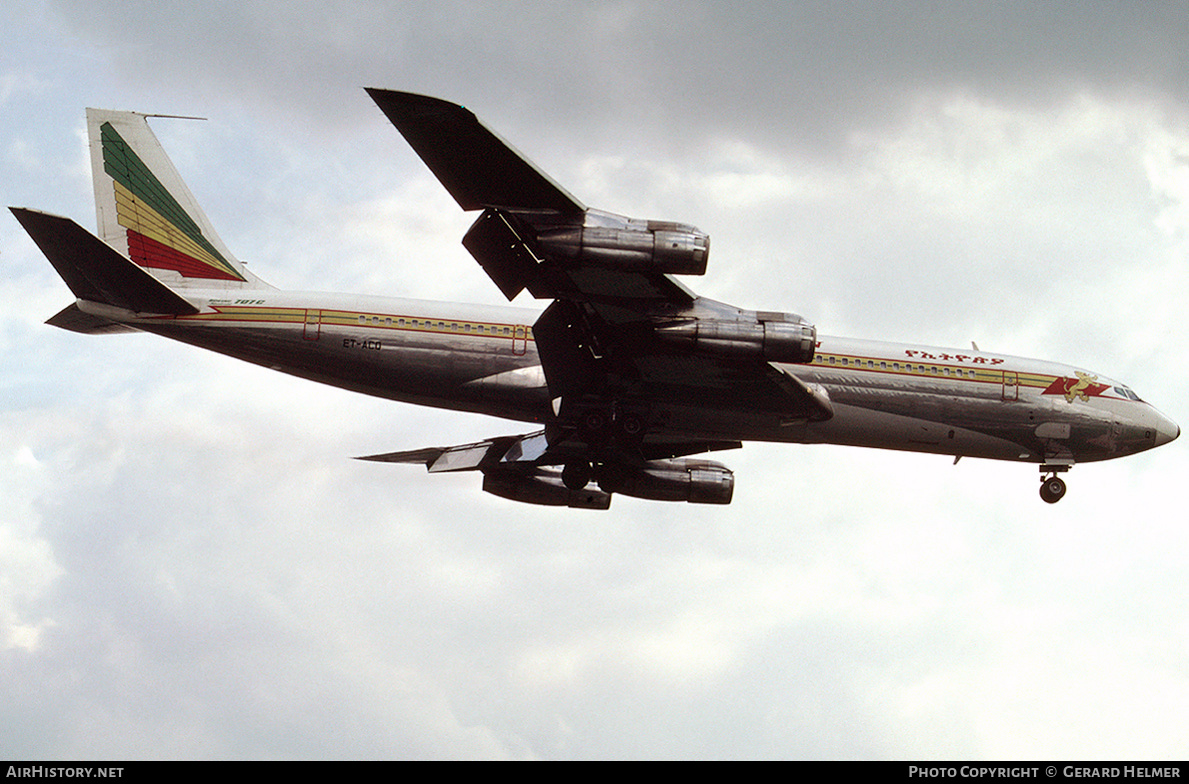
x,y
484,359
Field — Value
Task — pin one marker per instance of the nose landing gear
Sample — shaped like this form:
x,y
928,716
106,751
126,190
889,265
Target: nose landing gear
x,y
1052,487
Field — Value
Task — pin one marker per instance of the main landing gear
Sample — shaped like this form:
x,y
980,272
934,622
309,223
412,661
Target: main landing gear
x,y
606,430
1052,487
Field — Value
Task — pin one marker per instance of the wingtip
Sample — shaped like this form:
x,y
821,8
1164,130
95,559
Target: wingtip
x,y
370,458
400,101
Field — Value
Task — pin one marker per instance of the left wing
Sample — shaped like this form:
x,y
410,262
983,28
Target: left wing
x,y
640,369
533,233
475,165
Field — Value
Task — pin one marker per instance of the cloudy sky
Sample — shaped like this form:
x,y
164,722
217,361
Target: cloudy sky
x,y
191,566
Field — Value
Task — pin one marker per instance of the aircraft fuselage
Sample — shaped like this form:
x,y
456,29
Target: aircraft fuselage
x,y
484,359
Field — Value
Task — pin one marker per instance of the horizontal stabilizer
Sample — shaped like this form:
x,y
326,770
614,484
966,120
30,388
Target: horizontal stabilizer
x,y
473,163
94,271
75,320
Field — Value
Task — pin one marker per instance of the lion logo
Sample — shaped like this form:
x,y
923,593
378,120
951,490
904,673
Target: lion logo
x,y
1079,389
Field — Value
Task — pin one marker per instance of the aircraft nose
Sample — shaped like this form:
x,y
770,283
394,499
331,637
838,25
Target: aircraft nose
x,y
1166,431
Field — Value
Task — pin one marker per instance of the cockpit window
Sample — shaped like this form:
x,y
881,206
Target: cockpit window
x,y
1127,393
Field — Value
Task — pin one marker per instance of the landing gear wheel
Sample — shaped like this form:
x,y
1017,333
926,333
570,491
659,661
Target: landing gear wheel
x,y
575,476
594,426
1052,489
595,422
631,425
611,477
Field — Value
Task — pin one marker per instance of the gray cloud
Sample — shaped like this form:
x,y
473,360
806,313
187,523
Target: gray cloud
x,y
801,74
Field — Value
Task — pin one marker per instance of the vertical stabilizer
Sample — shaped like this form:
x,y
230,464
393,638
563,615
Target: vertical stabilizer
x,y
148,214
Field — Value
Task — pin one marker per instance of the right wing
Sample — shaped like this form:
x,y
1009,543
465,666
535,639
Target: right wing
x,y
511,469
524,468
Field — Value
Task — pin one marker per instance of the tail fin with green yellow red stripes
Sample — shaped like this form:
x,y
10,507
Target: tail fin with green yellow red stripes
x,y
147,213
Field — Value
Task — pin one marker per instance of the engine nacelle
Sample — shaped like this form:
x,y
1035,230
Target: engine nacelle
x,y
777,337
682,479
616,242
543,486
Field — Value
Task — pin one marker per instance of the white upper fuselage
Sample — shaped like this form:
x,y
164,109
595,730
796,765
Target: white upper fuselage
x,y
484,359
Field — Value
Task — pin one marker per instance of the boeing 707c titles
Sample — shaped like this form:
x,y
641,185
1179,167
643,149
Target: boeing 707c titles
x,y
629,377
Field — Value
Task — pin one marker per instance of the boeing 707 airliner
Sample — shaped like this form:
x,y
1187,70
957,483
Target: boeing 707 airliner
x,y
628,376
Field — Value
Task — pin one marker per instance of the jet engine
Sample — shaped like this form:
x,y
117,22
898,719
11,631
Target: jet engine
x,y
682,479
617,242
543,486
776,337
